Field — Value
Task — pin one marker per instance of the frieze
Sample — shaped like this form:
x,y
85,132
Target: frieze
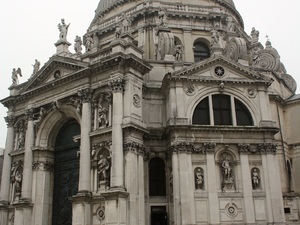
x,y
209,147
44,166
258,148
181,147
267,148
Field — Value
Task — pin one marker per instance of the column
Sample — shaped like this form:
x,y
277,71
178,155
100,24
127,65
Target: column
x,y
5,184
81,203
141,189
84,185
117,173
176,189
247,186
212,186
27,169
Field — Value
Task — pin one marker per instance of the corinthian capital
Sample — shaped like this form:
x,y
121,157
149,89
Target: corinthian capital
x,y
117,84
29,113
85,94
10,120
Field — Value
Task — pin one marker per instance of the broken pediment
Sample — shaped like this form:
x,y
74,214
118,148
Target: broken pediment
x,y
55,69
220,69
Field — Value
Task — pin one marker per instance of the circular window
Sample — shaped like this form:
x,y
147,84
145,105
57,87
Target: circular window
x,y
219,71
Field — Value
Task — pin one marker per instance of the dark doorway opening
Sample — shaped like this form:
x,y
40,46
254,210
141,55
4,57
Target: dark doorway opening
x,y
159,215
66,173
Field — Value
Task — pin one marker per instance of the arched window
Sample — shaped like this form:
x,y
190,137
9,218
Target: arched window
x,y
157,177
224,110
201,51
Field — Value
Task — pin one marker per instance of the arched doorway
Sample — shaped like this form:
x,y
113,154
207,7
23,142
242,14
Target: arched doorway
x,y
66,172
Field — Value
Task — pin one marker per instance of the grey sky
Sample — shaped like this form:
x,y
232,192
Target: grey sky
x,y
29,31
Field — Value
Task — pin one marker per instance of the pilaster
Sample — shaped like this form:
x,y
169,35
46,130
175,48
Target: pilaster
x,y
187,37
117,172
84,185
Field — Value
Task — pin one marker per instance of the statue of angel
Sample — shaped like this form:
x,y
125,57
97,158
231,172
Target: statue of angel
x,y
14,76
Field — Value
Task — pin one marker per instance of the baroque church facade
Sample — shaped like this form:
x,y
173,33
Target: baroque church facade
x,y
171,114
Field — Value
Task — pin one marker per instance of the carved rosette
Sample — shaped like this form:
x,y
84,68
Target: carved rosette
x,y
136,100
135,148
85,94
42,166
117,84
10,120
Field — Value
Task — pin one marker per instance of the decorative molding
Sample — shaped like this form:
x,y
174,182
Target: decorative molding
x,y
181,147
267,148
209,147
101,213
42,166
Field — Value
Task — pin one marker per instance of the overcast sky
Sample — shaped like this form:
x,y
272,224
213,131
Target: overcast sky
x,y
29,31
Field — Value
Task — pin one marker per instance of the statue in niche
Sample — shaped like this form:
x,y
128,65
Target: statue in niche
x,y
14,76
36,67
255,178
199,179
21,135
103,171
229,24
118,32
214,37
89,42
228,182
63,30
254,35
162,15
77,46
178,52
16,179
103,110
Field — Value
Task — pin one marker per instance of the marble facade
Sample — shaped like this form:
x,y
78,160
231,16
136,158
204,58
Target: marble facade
x,y
173,114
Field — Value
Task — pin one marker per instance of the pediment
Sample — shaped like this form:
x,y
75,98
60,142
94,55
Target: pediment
x,y
56,68
220,69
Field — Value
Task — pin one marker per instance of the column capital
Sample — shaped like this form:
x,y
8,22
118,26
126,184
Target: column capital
x,y
10,120
117,84
42,166
135,148
29,113
85,94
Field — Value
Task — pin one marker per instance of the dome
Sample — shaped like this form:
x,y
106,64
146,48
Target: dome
x,y
107,4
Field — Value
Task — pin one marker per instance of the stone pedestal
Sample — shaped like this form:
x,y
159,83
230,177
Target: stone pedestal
x,y
62,46
81,209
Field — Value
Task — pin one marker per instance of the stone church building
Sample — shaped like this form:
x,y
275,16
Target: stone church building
x,y
166,112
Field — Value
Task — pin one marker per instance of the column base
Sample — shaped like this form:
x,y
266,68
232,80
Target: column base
x,y
118,188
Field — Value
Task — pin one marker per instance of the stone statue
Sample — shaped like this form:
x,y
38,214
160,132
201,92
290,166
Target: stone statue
x,y
16,179
63,30
40,115
227,168
255,178
255,56
103,168
126,23
77,46
118,32
21,136
162,15
229,24
36,67
89,42
254,35
214,37
199,180
14,76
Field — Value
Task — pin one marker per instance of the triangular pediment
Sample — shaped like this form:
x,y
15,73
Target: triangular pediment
x,y
56,68
220,69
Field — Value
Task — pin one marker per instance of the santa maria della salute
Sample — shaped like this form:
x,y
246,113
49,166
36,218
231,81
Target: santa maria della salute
x,y
164,112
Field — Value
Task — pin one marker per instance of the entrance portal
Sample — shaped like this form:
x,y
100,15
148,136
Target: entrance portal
x,y
159,215
66,173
